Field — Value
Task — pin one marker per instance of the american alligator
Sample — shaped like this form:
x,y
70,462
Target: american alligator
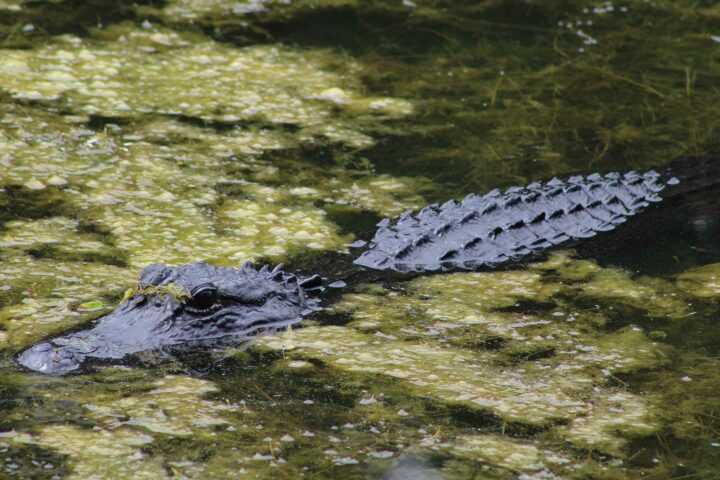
x,y
201,304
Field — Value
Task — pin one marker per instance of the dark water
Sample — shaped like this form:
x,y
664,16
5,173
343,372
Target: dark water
x,y
175,131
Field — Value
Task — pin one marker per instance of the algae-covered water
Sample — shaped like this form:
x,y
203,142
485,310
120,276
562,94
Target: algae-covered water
x,y
281,130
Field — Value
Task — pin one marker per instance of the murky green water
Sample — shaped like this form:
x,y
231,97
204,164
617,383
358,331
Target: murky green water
x,y
279,131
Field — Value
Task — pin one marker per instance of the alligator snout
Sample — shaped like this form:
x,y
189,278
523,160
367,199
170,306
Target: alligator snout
x,y
52,359
178,307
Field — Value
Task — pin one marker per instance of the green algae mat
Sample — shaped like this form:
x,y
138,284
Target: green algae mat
x,y
282,131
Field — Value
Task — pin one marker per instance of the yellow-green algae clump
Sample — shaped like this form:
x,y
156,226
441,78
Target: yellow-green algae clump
x,y
12,5
702,282
160,201
42,296
449,338
144,201
154,185
156,71
192,10
173,407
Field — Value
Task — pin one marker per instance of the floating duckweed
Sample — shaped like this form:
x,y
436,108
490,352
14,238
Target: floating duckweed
x,y
148,203
467,310
99,454
244,12
654,296
272,228
269,84
381,193
125,426
498,451
703,282
531,395
612,419
12,5
59,233
184,10
38,296
195,146
170,289
240,150
48,292
526,368
174,407
35,184
466,307
156,198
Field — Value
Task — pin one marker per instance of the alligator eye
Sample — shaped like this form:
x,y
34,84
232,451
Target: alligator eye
x,y
204,297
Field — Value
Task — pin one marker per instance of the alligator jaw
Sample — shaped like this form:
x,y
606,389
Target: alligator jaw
x,y
182,306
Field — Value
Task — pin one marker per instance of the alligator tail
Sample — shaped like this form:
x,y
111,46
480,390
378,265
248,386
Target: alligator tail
x,y
504,227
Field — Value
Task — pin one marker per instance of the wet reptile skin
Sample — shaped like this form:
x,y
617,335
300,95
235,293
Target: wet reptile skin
x,y
247,302
218,306
489,230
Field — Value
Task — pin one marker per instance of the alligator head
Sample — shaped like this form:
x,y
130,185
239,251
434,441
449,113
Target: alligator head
x,y
178,306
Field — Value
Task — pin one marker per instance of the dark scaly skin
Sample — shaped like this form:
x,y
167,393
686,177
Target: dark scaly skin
x,y
479,232
248,302
501,227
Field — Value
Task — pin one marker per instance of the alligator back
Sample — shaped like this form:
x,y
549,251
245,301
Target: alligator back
x,y
511,225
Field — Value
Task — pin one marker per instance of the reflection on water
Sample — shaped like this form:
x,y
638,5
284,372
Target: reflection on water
x,y
279,131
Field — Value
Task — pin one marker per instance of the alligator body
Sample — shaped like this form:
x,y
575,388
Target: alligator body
x,y
509,226
211,305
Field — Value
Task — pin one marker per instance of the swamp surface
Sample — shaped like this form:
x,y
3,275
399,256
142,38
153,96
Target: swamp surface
x,y
284,130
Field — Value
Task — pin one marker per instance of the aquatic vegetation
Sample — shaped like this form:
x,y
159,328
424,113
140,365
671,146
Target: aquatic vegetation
x,y
273,157
498,360
275,130
703,282
133,75
185,10
135,183
409,354
12,5
531,90
652,296
173,407
534,395
136,192
39,298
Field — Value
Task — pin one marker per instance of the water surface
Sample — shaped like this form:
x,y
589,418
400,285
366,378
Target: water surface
x,y
281,131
